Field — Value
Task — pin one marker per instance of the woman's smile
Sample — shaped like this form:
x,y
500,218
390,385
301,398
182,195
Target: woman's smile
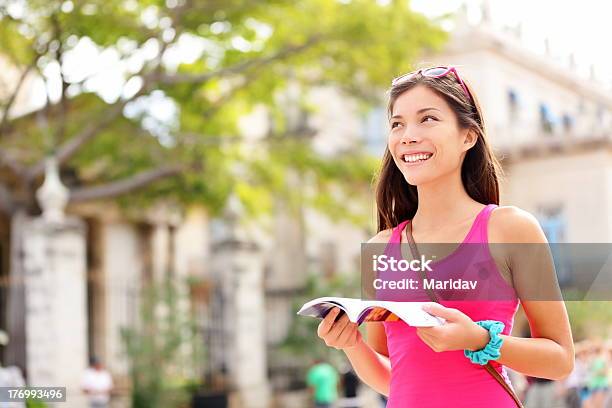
x,y
415,159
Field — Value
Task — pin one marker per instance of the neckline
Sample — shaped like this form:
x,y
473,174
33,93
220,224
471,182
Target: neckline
x,y
461,244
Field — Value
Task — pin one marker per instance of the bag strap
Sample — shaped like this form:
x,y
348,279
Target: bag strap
x,y
415,254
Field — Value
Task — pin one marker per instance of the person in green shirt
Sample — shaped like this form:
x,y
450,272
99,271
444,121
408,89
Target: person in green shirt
x,y
598,380
323,379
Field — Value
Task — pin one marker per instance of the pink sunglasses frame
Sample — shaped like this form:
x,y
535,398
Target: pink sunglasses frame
x,y
423,71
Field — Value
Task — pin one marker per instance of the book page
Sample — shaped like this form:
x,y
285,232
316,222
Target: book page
x,y
360,311
411,313
321,306
378,314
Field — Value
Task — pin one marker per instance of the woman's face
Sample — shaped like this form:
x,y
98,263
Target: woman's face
x,y
425,139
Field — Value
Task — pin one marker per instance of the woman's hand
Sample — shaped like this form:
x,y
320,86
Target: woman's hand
x,y
341,334
459,333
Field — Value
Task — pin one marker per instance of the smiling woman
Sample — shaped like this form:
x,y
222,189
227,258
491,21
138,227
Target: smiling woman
x,y
438,183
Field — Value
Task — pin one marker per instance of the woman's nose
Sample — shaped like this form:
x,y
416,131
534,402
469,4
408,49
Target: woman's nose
x,y
408,138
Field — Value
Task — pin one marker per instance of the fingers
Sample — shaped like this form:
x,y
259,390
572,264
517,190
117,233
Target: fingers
x,y
348,335
428,338
327,323
339,334
357,338
338,327
423,336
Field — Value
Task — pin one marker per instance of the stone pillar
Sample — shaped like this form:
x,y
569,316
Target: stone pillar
x,y
54,265
237,267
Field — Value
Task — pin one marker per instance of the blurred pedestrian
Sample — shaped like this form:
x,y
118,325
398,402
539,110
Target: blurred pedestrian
x,y
575,383
597,383
97,383
542,393
323,380
350,388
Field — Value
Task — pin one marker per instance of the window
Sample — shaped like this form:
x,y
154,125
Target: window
x,y
513,103
547,120
568,122
553,223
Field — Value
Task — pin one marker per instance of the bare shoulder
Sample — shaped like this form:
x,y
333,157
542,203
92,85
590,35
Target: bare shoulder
x,y
511,224
382,237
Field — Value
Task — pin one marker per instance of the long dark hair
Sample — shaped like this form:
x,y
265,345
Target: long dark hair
x,y
396,200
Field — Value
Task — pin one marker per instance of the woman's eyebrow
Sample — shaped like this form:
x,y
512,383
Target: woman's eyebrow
x,y
418,112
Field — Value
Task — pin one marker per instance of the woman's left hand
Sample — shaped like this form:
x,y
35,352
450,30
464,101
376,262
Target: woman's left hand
x,y
458,333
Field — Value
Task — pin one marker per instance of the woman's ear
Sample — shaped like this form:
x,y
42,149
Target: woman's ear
x,y
470,139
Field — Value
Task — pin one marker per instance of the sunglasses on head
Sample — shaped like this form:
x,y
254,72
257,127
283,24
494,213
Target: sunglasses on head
x,y
434,72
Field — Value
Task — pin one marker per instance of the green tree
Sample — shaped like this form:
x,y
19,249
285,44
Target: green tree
x,y
244,53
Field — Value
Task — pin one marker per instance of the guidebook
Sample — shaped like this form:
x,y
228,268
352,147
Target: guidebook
x,y
360,311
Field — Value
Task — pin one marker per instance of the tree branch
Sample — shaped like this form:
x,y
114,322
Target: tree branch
x,y
68,149
59,56
116,188
71,146
13,97
240,67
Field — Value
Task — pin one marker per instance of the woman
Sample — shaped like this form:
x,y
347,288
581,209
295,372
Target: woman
x,y
440,178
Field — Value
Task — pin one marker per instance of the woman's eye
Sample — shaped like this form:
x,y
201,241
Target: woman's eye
x,y
429,116
393,124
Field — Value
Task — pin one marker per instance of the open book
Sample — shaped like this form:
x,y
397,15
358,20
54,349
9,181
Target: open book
x,y
360,311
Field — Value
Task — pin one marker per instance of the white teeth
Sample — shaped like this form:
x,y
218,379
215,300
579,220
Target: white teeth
x,y
411,158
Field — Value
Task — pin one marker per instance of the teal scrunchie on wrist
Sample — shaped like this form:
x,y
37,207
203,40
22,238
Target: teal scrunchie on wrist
x,y
491,350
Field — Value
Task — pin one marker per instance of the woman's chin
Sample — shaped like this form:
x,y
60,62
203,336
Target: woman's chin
x,y
416,179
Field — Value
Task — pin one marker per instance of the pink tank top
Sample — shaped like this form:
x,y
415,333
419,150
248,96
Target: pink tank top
x,y
423,378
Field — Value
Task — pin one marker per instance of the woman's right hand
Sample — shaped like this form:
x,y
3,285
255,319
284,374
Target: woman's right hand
x,y
339,334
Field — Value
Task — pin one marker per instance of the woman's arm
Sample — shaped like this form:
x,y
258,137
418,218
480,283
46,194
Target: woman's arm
x,y
549,353
372,368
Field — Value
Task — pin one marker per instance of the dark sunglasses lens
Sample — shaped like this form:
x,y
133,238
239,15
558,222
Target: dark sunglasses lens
x,y
435,71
